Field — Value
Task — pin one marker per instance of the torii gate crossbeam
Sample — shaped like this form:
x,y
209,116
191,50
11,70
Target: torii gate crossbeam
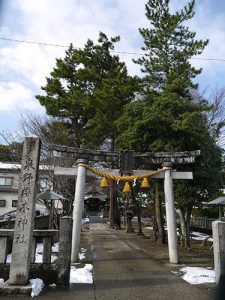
x,y
168,177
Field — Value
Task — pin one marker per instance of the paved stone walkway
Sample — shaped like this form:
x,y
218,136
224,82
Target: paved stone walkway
x,y
123,271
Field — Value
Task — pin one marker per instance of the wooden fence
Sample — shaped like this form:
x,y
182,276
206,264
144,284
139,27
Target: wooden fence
x,y
50,272
202,222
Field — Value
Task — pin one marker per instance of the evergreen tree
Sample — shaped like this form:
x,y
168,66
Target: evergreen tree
x,y
11,152
168,115
169,45
88,89
168,118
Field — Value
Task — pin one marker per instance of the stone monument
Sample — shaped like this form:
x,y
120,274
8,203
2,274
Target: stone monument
x,y
24,223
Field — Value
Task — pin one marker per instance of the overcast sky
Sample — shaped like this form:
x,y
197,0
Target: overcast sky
x,y
24,67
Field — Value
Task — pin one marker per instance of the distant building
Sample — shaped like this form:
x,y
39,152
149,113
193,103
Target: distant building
x,y
9,186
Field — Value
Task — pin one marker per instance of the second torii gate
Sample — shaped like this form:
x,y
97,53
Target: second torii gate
x,y
168,175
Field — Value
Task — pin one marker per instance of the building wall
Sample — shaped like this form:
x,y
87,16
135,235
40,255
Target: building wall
x,y
10,203
9,192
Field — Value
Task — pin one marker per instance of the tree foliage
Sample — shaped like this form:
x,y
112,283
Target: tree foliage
x,y
169,117
169,45
11,152
88,89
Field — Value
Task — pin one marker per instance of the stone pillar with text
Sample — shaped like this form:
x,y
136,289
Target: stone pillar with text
x,y
24,223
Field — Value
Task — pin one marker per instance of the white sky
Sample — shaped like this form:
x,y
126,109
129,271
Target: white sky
x,y
23,67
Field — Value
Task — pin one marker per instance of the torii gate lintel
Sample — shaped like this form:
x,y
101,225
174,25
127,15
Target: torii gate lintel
x,y
127,159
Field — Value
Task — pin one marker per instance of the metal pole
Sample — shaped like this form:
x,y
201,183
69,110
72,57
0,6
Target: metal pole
x,y
77,210
171,217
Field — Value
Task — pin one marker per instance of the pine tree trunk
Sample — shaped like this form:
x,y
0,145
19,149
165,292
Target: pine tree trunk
x,y
158,215
185,217
114,212
188,224
140,232
182,229
111,204
138,210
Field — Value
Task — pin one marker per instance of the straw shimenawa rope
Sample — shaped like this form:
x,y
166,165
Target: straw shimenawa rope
x,y
123,178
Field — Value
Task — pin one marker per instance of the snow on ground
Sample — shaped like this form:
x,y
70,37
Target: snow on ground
x,y
9,258
39,252
81,275
77,275
84,221
82,254
197,275
200,236
149,228
37,286
193,275
55,247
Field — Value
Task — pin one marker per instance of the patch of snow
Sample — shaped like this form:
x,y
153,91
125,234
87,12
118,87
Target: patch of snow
x,y
1,281
82,254
39,252
37,286
55,247
9,258
9,166
52,285
53,258
198,236
150,228
85,220
197,275
81,275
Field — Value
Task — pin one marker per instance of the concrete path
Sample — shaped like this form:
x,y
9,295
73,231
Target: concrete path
x,y
123,271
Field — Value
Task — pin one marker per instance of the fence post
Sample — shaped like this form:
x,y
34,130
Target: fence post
x,y
33,250
47,249
219,248
4,249
65,246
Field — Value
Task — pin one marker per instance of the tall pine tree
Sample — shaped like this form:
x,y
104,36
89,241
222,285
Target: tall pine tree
x,y
169,115
87,90
168,118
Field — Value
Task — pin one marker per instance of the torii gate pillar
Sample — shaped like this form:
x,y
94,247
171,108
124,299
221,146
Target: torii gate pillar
x,y
78,209
170,215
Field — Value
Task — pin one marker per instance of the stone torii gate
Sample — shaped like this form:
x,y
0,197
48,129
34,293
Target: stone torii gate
x,y
165,159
